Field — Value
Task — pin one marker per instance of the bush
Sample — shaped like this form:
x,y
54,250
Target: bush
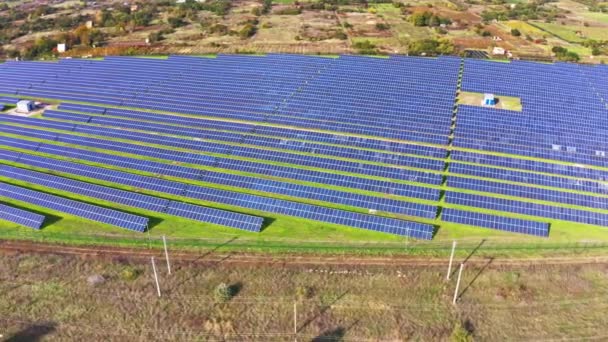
x,y
515,33
129,274
460,334
222,293
382,26
247,31
289,11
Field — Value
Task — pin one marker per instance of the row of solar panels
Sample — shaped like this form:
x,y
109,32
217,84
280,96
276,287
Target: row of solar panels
x,y
53,164
279,132
237,138
156,204
205,160
212,195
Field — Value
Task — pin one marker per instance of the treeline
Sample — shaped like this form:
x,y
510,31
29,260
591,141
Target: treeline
x,y
522,11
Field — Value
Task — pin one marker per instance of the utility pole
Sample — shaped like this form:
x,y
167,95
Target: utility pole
x,y
451,260
155,277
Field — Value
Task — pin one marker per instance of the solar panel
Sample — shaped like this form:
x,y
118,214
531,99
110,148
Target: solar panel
x,y
133,199
21,217
84,210
508,224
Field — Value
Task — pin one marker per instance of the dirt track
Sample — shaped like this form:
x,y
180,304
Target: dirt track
x,y
234,258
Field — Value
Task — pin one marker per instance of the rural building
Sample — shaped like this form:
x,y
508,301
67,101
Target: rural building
x,y
25,106
498,51
489,100
61,48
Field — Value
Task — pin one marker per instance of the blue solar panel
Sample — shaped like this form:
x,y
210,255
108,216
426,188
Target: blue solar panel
x,y
84,210
495,222
377,223
133,199
21,217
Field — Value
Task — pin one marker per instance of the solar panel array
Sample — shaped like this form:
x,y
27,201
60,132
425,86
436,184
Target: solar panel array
x,y
133,199
318,213
495,222
549,151
352,131
21,217
76,208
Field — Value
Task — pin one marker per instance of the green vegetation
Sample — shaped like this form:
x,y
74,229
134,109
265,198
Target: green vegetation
x,y
564,55
430,47
428,19
523,11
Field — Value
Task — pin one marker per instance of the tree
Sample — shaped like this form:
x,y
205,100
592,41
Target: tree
x,y
430,47
267,6
515,33
83,34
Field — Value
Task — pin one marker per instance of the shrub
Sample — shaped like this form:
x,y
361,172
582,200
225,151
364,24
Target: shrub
x,y
515,33
130,274
382,26
222,293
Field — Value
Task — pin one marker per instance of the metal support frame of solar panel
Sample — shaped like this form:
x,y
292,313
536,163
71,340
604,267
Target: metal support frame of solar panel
x,y
270,186
132,199
357,220
21,217
84,210
507,224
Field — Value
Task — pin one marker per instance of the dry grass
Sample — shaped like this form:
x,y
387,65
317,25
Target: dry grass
x,y
377,303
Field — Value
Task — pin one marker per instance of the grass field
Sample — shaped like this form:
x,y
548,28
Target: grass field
x,y
349,302
569,32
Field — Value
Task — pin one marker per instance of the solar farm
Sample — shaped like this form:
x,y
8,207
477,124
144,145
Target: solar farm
x,y
305,147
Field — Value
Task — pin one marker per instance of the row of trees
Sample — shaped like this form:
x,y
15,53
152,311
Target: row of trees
x,y
427,18
523,11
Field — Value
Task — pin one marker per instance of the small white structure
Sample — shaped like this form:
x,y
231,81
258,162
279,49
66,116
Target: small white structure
x,y
489,100
498,51
25,106
61,48
89,24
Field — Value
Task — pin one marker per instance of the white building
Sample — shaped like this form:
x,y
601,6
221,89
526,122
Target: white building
x,y
25,106
498,51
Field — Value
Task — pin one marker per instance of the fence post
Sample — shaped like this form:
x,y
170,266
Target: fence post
x,y
457,285
451,260
167,255
155,277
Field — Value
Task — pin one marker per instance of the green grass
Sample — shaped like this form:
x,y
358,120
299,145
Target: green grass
x,y
152,56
